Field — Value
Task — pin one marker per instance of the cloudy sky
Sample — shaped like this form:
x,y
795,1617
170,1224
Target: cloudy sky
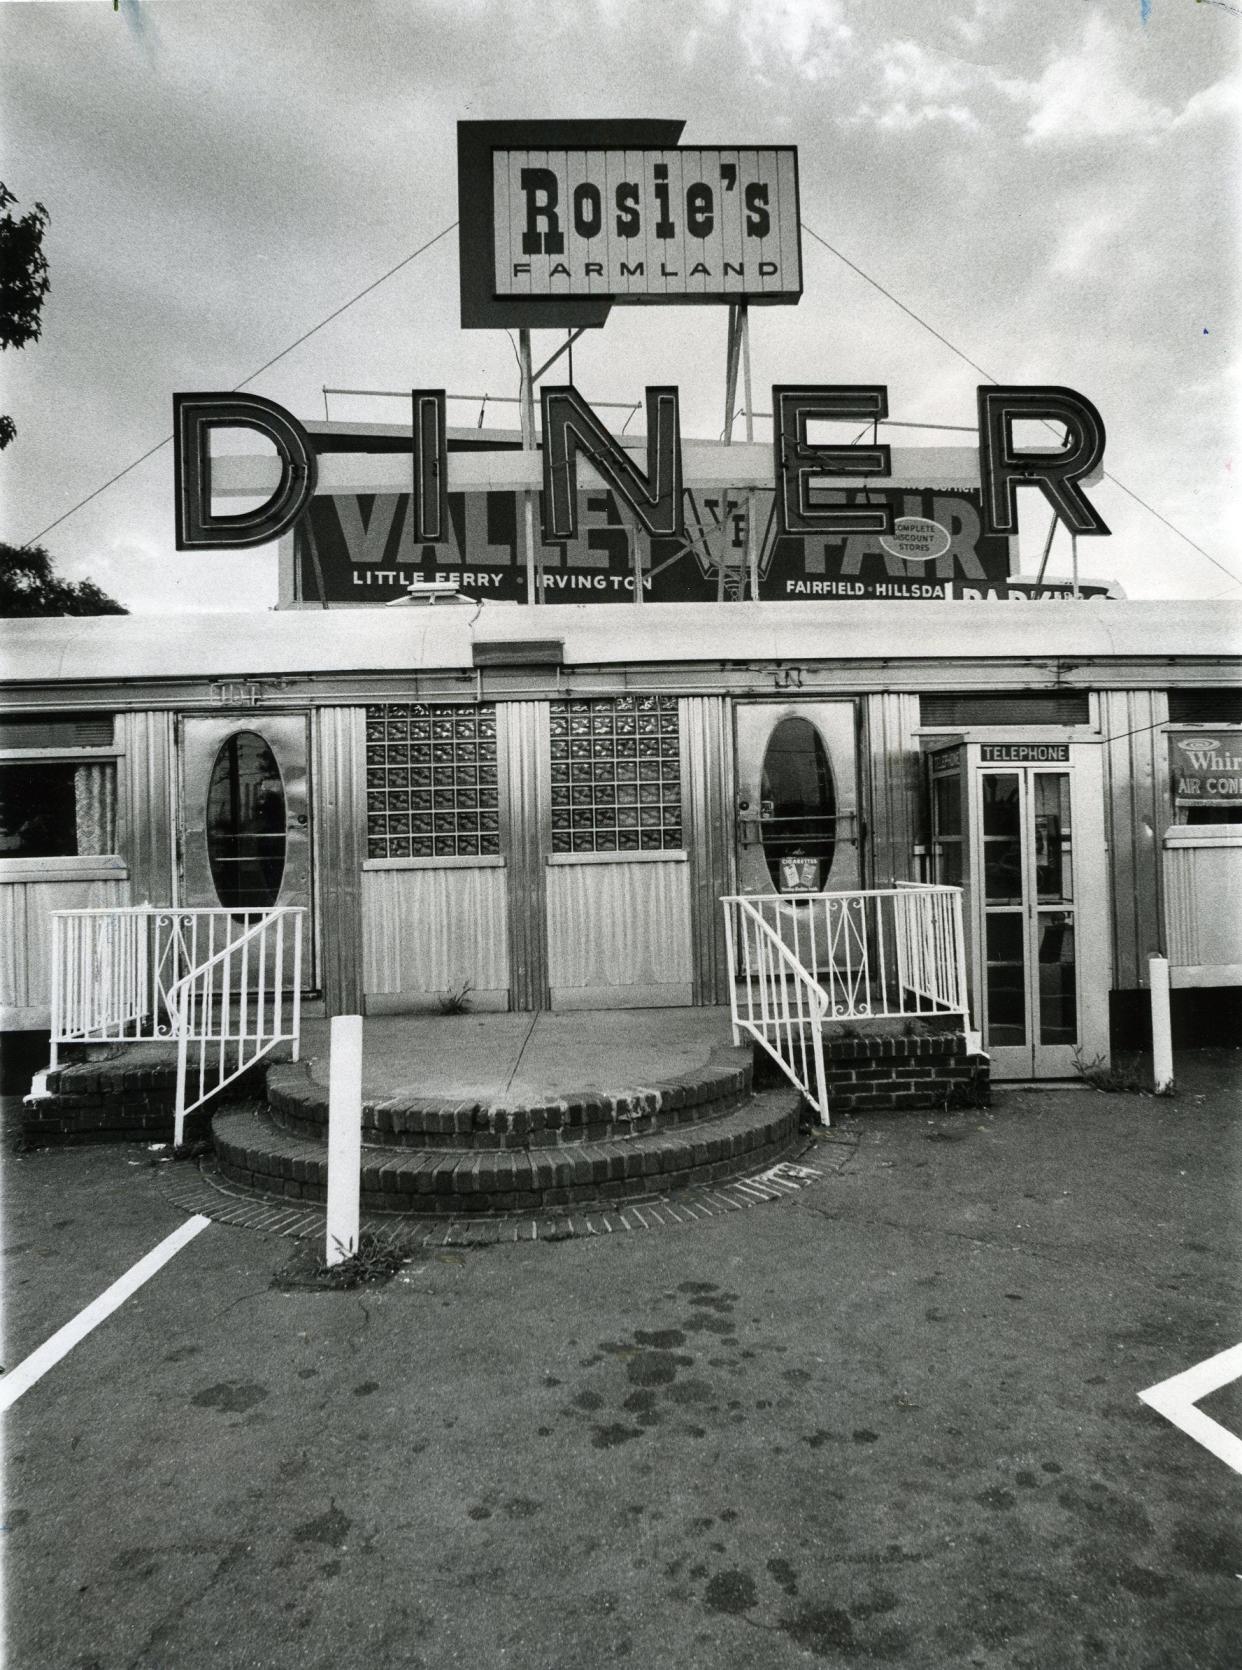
x,y
1051,185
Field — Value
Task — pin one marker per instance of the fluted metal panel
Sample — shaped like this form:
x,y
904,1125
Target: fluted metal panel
x,y
26,932
339,835
145,804
522,744
893,778
1203,905
434,930
619,925
708,808
1138,809
1183,871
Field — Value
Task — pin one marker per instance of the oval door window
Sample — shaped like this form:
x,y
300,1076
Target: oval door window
x,y
246,823
798,824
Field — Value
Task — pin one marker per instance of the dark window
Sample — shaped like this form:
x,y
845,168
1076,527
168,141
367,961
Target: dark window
x,y
433,787
59,730
246,823
1206,707
616,775
1017,707
1210,814
57,808
798,823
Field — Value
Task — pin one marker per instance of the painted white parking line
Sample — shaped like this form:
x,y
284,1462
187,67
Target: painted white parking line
x,y
62,1342
1176,1397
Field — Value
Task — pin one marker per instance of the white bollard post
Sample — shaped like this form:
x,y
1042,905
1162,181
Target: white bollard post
x,y
344,1136
1161,1025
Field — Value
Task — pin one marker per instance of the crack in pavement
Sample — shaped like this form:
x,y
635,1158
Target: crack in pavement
x,y
163,1628
258,1293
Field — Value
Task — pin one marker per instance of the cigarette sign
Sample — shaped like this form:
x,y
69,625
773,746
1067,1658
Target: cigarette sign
x,y
650,225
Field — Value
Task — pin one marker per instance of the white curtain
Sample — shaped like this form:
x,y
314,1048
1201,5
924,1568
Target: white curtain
x,y
94,792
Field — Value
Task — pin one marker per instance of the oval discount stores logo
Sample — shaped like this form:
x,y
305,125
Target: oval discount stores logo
x,y
916,539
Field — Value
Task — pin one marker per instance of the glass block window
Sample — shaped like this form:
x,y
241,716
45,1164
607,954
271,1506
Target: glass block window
x,y
616,775
432,781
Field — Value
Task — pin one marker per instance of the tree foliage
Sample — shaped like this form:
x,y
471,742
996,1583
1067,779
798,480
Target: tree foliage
x,y
28,583
23,282
30,586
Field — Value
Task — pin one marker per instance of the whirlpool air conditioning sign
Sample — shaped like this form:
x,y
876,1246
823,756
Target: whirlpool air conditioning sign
x,y
1206,769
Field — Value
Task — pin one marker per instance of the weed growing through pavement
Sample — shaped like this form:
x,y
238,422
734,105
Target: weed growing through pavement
x,y
456,1001
200,1149
371,1265
309,1271
1119,1079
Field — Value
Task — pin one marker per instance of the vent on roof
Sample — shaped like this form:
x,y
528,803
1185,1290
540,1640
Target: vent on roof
x,y
1018,707
1205,707
520,652
59,730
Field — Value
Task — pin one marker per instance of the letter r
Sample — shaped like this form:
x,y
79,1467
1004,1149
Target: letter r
x,y
540,183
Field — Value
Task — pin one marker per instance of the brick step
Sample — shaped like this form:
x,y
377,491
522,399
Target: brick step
x,y
257,1155
886,1070
299,1105
122,1092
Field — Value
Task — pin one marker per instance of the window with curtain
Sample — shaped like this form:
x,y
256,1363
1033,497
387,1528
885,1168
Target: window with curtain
x,y
57,808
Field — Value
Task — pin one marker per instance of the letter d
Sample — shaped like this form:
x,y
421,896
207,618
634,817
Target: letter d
x,y
194,417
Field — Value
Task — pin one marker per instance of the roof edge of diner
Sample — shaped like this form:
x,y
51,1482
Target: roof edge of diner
x,y
342,641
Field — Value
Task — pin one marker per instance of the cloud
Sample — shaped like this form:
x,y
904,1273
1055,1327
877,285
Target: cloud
x,y
915,85
809,37
1222,99
1091,93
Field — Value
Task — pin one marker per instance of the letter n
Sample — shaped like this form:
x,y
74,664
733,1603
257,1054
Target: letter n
x,y
571,427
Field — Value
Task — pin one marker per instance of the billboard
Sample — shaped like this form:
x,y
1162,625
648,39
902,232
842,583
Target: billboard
x,y
654,225
359,548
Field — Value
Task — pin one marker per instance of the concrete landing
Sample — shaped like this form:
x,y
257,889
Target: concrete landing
x,y
525,1058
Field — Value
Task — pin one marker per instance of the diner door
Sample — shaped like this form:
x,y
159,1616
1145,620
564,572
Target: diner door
x,y
797,825
243,825
1041,915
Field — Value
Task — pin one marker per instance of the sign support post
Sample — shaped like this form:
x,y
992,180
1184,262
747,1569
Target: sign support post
x,y
752,550
732,351
528,443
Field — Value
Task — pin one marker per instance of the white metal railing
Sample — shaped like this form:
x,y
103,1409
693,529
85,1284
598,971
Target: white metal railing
x,y
225,984
230,1008
931,945
787,1020
879,954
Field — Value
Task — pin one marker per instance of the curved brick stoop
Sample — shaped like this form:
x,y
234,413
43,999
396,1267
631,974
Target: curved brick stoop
x,y
477,1157
298,1103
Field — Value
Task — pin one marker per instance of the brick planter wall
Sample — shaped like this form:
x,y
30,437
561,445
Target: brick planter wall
x,y
879,1075
118,1100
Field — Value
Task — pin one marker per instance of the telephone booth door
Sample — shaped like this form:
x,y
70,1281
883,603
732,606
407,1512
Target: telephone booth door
x,y
1020,827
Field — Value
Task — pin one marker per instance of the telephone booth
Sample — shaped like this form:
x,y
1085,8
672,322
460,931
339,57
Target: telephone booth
x,y
1018,825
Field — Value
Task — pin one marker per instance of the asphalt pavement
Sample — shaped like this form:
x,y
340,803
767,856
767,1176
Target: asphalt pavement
x,y
893,1418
